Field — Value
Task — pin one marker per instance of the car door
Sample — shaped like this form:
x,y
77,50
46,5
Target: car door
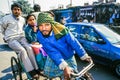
x,y
99,50
75,29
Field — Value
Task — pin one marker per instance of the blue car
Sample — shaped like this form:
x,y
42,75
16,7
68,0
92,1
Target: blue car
x,y
100,42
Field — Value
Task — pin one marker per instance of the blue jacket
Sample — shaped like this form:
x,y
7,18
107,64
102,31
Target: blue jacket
x,y
61,49
30,35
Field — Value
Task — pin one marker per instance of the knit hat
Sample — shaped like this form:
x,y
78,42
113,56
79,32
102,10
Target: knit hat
x,y
58,29
44,18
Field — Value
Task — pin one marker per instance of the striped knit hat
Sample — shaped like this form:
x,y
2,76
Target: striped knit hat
x,y
59,29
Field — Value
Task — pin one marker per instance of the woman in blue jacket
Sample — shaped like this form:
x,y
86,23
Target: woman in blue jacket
x,y
31,36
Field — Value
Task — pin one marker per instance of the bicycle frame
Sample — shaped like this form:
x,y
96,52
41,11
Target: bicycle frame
x,y
83,71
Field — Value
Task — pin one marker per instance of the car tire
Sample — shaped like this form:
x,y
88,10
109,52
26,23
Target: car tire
x,y
116,68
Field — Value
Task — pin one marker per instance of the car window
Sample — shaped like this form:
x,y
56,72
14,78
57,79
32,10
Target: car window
x,y
89,33
109,34
74,29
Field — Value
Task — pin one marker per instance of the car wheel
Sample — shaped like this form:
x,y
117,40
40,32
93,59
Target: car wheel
x,y
117,68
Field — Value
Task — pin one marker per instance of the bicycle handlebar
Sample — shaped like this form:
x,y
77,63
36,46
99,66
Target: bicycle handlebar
x,y
83,71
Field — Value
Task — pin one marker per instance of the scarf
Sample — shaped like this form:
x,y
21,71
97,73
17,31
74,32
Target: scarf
x,y
58,29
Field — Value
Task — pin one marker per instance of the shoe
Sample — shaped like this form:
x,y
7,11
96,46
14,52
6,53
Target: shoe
x,y
34,74
41,73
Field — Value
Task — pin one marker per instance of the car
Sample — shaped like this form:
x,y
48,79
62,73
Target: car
x,y
100,42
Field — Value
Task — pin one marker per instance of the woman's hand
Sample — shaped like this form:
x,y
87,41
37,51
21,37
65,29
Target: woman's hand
x,y
35,43
35,28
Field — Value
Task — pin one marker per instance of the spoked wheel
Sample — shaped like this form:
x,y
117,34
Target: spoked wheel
x,y
16,70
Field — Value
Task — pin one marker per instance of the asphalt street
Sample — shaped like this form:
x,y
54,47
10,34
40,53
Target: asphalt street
x,y
98,72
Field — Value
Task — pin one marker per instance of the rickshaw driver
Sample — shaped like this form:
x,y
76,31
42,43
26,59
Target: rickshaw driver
x,y
59,44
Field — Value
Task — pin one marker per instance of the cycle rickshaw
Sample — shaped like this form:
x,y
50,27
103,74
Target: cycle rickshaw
x,y
18,68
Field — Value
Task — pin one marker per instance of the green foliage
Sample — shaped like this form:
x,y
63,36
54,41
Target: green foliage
x,y
26,7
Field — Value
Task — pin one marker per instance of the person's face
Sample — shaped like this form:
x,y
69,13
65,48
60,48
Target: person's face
x,y
16,11
45,29
31,21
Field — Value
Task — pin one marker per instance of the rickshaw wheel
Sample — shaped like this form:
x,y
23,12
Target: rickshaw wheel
x,y
16,70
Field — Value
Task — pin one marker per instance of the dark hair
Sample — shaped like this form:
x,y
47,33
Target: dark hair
x,y
36,8
80,18
16,5
50,12
62,17
30,16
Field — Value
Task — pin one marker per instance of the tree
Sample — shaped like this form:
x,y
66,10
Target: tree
x,y
26,7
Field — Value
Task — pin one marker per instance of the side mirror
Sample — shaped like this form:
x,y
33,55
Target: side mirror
x,y
101,41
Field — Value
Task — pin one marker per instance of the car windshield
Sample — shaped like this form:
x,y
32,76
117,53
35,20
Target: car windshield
x,y
108,33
